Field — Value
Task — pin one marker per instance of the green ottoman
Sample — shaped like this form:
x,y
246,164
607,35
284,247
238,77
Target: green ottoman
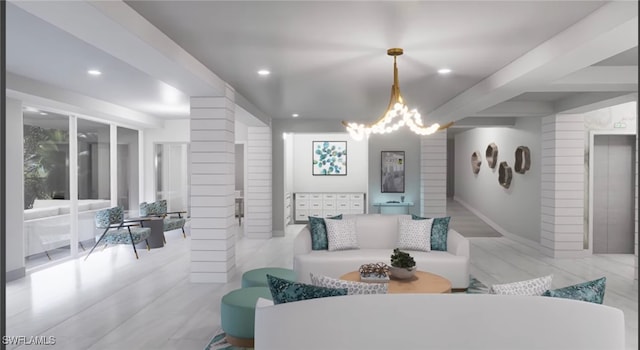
x,y
258,277
238,312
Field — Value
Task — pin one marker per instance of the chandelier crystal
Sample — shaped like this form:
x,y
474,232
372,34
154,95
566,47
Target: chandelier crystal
x,y
396,115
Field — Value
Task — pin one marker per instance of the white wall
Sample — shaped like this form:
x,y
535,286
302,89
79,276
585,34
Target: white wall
x,y
14,249
357,165
515,210
176,131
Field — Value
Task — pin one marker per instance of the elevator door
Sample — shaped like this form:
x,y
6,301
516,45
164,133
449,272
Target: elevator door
x,y
613,197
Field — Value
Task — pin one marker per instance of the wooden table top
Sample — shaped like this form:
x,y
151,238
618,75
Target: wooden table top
x,y
421,282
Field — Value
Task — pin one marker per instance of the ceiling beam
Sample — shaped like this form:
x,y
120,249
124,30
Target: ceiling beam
x,y
601,75
582,103
518,109
485,122
609,30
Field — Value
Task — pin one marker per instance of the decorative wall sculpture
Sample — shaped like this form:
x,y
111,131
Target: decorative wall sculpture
x,y
491,155
523,159
329,158
504,175
476,162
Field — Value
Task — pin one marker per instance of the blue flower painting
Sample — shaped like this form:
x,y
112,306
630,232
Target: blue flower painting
x,y
329,157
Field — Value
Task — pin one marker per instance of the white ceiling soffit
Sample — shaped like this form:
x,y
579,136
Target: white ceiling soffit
x,y
37,93
43,52
115,28
606,32
119,31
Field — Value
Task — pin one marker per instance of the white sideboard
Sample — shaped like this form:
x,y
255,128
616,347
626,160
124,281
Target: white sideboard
x,y
322,204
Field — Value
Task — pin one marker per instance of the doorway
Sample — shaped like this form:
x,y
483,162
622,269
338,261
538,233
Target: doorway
x,y
613,194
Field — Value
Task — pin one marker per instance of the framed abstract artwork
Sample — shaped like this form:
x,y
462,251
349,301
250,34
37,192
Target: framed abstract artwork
x,y
392,171
329,158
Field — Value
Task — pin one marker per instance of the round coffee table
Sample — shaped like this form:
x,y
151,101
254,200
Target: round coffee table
x,y
421,282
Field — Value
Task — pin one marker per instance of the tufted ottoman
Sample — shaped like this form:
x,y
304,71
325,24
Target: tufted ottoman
x,y
237,312
258,277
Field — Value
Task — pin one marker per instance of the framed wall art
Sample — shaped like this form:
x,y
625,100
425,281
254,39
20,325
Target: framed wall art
x,y
392,171
329,158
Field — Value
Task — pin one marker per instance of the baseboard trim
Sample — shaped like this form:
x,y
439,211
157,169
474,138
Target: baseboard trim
x,y
16,274
497,227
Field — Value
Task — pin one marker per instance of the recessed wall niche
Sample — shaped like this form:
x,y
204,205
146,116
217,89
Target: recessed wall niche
x,y
476,162
491,155
523,160
505,175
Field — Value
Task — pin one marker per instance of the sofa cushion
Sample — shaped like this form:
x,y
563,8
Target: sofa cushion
x,y
318,230
351,286
377,231
341,234
592,291
414,234
439,231
535,286
284,291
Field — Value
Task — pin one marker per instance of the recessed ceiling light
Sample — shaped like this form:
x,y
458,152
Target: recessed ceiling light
x,y
43,113
94,72
31,109
264,72
295,115
444,71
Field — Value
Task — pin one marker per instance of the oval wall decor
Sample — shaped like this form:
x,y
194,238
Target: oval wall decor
x,y
504,175
476,162
523,160
491,155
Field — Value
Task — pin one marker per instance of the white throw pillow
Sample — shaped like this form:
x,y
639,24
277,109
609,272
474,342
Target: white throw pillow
x,y
536,286
414,234
351,286
341,234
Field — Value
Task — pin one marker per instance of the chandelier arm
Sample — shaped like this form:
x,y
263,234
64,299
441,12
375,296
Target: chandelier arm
x,y
396,109
446,126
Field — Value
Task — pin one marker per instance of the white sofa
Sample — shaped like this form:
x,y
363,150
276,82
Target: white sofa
x,y
439,321
47,225
377,237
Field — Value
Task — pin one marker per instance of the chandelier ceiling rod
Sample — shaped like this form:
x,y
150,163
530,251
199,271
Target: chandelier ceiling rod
x,y
395,110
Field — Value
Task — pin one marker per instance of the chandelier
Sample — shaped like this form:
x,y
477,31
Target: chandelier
x,y
396,115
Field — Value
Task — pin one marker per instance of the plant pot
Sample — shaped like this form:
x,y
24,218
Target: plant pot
x,y
402,273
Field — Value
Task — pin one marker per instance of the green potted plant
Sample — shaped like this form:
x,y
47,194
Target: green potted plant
x,y
402,265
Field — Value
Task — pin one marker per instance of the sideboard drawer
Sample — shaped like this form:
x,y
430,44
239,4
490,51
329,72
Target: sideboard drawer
x,y
301,215
302,196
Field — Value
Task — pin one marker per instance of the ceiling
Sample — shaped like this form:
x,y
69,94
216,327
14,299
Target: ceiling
x,y
328,59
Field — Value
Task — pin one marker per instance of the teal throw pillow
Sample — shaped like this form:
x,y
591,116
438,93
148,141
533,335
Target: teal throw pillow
x,y
318,230
592,291
284,291
439,231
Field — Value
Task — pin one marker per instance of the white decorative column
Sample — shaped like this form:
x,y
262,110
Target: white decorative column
x,y
212,197
563,188
433,175
258,205
635,249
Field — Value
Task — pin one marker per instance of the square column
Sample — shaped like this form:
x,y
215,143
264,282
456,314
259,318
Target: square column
x,y
258,205
563,190
212,156
433,175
